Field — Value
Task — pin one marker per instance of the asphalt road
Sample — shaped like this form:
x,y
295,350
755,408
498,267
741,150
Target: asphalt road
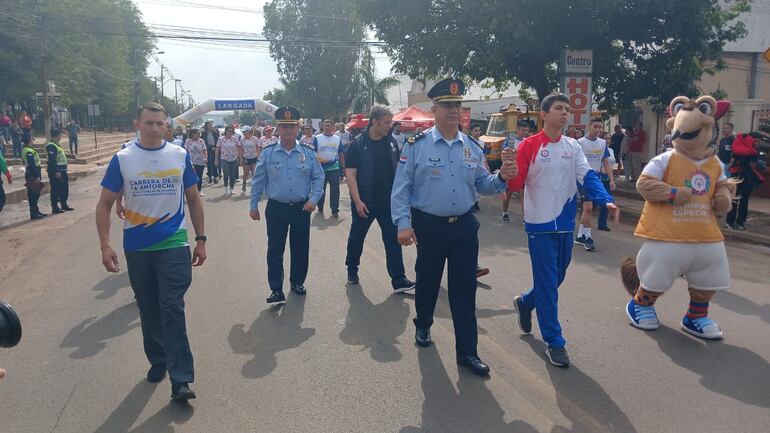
x,y
342,359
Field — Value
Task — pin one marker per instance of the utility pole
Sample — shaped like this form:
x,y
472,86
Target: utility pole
x,y
46,103
44,60
176,96
156,89
137,88
161,82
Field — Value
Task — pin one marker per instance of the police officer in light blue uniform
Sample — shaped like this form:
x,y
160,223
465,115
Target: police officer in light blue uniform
x,y
291,177
438,175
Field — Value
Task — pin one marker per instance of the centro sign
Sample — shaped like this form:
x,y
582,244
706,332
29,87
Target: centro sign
x,y
578,62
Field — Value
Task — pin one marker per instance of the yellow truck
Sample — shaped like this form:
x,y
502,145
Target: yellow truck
x,y
502,126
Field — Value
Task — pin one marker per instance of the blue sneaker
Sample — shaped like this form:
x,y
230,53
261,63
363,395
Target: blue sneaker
x,y
702,327
588,244
642,317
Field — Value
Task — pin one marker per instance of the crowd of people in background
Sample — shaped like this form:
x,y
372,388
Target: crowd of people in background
x,y
232,156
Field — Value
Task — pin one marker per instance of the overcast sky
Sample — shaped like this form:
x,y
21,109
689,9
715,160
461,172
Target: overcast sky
x,y
212,71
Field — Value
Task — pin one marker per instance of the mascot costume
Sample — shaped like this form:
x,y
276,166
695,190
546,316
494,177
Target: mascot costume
x,y
683,190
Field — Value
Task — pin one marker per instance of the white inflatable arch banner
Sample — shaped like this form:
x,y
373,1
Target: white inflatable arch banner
x,y
200,110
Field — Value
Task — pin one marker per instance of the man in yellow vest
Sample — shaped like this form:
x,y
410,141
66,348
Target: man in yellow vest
x,y
57,173
32,176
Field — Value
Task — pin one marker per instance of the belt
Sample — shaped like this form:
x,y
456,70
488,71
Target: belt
x,y
440,219
292,203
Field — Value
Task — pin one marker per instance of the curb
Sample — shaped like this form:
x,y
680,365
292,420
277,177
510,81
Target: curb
x,y
631,216
20,195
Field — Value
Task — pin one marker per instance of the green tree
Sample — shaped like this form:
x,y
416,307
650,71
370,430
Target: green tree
x,y
84,43
642,48
316,46
366,87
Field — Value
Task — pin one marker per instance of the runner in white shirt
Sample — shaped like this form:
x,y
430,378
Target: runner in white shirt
x,y
196,148
307,136
598,155
398,135
267,137
250,146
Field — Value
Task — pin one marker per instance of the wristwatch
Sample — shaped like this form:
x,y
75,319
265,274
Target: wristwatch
x,y
201,238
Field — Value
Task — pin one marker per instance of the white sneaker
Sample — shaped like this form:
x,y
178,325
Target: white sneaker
x,y
227,190
200,193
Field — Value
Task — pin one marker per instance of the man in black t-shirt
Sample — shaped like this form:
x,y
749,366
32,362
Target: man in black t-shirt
x,y
370,166
615,144
725,152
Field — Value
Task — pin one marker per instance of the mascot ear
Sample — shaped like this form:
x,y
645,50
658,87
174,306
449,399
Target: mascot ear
x,y
722,108
707,105
677,104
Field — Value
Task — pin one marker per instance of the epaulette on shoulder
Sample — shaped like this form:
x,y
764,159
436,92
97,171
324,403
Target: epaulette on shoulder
x,y
308,146
413,139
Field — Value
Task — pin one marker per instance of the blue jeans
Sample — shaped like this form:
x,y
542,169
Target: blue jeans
x,y
73,145
603,212
360,226
550,254
160,280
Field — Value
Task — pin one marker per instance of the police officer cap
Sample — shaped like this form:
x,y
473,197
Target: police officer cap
x,y
55,132
287,116
447,90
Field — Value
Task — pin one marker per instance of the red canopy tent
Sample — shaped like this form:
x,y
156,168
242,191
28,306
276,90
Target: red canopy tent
x,y
357,121
413,117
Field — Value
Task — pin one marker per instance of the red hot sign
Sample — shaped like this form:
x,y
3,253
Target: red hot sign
x,y
578,90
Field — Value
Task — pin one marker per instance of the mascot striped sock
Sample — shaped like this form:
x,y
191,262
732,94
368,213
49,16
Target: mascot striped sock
x,y
645,298
697,310
699,303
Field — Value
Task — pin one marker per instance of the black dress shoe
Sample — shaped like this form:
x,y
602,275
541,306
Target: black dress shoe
x,y
474,364
276,298
156,373
299,289
422,337
56,211
67,208
181,392
37,216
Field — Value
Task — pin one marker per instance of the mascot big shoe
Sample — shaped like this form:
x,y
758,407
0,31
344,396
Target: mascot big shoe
x,y
684,189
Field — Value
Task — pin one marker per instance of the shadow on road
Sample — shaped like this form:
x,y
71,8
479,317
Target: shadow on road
x,y
472,408
741,305
730,370
581,399
276,329
442,310
111,285
89,336
375,328
322,222
126,414
218,198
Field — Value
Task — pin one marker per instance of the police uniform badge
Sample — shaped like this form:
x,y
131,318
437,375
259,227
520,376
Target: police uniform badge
x,y
301,157
467,151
